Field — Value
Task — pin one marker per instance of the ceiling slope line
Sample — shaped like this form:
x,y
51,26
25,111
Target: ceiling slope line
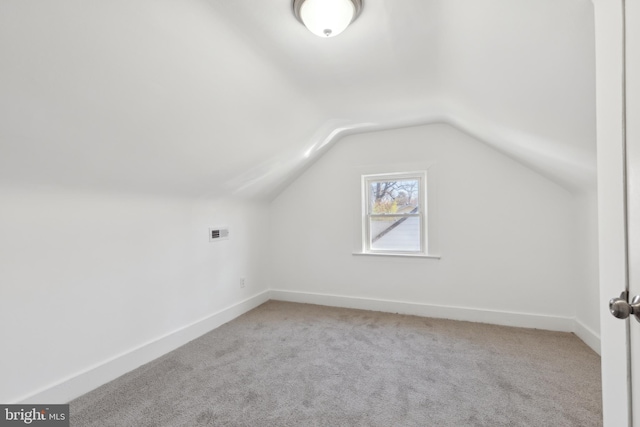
x,y
573,170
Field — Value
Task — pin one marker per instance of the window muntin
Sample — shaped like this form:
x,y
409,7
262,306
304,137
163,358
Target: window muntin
x,y
394,213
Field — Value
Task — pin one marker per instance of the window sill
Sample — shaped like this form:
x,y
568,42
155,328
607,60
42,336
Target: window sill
x,y
396,255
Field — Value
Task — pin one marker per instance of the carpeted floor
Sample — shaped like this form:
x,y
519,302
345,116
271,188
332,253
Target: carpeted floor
x,y
286,364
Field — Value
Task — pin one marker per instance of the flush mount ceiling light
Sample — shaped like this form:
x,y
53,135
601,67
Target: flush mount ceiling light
x,y
327,18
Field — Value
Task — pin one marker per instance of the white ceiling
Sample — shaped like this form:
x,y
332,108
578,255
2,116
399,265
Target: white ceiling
x,y
211,97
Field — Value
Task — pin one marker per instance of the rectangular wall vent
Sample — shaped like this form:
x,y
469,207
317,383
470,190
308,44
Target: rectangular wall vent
x,y
218,233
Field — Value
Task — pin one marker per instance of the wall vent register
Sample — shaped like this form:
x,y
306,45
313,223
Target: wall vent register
x,y
218,233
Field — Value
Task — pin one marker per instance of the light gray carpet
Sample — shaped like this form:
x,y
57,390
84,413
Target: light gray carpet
x,y
285,364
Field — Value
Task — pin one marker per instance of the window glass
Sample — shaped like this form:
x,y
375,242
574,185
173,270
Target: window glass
x,y
391,197
394,213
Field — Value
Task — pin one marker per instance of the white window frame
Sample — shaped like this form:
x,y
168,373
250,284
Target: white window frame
x,y
421,177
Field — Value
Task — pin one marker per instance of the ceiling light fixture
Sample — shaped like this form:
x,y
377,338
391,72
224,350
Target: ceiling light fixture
x,y
327,18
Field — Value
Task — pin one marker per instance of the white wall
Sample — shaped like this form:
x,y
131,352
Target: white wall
x,y
506,235
90,282
587,295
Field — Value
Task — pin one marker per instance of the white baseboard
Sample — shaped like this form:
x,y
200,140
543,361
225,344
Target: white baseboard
x,y
586,334
82,382
523,320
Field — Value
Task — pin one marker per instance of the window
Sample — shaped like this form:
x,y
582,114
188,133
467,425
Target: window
x,y
394,213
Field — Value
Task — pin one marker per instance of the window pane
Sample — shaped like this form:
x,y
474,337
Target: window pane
x,y
390,197
398,234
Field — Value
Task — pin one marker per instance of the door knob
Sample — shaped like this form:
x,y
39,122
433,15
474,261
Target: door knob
x,y
620,308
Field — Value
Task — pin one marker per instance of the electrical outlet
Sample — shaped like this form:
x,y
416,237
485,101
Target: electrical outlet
x,y
242,282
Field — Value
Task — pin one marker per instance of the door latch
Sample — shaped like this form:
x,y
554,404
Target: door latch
x,y
620,308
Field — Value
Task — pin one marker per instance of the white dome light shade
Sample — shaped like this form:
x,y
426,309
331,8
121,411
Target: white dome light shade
x,y
326,18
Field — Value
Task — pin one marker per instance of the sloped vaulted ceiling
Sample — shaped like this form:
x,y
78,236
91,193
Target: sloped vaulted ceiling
x,y
210,97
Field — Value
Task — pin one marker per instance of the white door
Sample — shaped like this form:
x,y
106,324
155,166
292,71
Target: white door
x,y
633,188
614,333
630,100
